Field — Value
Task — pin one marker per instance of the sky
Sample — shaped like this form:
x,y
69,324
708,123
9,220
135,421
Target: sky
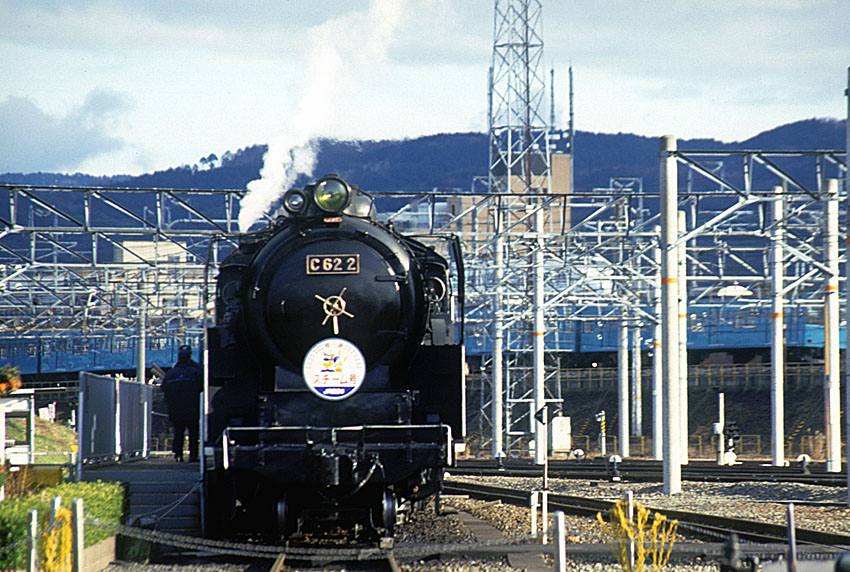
x,y
127,87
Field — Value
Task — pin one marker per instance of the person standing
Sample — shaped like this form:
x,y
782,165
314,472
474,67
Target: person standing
x,y
182,385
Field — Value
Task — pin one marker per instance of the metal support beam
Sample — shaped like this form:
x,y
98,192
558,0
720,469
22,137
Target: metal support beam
x,y
847,291
831,359
637,383
777,345
669,321
623,384
498,338
657,369
141,358
683,333
721,423
539,333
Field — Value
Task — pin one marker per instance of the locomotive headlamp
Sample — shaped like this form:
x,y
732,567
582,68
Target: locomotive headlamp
x,y
294,201
332,195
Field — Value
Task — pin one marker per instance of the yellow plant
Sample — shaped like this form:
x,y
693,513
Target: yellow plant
x,y
651,540
54,544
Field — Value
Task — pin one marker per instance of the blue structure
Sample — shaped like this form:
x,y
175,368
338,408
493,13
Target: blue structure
x,y
74,351
710,327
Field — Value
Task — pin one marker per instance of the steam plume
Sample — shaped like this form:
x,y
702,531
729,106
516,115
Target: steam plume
x,y
339,47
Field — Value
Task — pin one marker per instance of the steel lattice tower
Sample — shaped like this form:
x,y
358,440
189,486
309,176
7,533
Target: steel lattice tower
x,y
519,166
519,155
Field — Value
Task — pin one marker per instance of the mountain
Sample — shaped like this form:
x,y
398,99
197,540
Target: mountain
x,y
810,135
421,164
61,179
450,160
600,156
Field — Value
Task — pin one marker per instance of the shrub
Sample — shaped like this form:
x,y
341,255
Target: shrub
x,y
654,540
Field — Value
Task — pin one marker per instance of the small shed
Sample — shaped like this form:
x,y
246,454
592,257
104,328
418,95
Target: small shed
x,y
19,405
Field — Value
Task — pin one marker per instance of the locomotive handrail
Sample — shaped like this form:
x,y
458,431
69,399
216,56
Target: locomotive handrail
x,y
457,254
323,427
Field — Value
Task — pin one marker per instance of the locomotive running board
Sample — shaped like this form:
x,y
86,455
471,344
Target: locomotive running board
x,y
429,436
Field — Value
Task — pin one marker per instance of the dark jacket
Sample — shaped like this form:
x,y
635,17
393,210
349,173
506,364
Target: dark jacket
x,y
182,385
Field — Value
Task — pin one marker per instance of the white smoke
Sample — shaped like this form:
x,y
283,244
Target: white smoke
x,y
338,49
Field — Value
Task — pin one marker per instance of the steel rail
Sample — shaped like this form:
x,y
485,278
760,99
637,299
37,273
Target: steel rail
x,y
711,526
654,475
650,471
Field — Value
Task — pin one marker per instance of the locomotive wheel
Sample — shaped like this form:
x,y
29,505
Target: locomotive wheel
x,y
388,511
282,516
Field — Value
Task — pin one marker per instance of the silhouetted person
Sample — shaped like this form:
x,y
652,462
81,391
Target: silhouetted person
x,y
182,386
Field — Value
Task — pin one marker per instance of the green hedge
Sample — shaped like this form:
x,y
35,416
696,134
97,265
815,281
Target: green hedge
x,y
102,501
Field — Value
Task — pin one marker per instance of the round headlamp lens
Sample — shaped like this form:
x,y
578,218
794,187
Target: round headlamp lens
x,y
332,195
294,201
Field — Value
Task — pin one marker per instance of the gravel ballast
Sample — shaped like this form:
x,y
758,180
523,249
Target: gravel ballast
x,y
760,501
765,502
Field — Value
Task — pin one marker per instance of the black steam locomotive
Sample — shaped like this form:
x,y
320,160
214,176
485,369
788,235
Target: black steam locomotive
x,y
335,369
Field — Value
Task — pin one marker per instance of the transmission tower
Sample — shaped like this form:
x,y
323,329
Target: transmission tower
x,y
519,166
519,155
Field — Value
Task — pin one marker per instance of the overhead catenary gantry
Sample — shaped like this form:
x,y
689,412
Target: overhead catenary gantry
x,y
599,269
91,259
601,263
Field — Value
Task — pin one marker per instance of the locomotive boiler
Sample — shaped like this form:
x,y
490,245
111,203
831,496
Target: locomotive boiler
x,y
335,366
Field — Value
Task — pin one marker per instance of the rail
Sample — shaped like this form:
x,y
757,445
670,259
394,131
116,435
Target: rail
x,y
651,471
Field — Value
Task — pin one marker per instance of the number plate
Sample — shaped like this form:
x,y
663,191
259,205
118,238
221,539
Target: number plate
x,y
333,264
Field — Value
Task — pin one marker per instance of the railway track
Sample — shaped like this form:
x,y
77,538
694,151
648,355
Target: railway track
x,y
349,559
712,527
652,471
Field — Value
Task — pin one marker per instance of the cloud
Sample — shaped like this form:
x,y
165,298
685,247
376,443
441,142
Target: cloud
x,y
253,29
340,49
37,141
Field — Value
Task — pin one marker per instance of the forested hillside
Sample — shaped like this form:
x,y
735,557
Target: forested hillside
x,y
449,160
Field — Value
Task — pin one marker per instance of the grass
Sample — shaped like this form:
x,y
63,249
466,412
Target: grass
x,y
49,437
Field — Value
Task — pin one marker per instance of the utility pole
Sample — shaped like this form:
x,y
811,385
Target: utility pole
x,y
672,463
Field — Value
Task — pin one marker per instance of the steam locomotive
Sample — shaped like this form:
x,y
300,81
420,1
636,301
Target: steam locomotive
x,y
336,370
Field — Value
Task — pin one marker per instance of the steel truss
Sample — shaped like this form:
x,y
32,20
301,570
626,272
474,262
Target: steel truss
x,y
519,132
91,259
601,261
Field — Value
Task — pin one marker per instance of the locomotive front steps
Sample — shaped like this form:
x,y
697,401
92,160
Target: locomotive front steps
x,y
163,495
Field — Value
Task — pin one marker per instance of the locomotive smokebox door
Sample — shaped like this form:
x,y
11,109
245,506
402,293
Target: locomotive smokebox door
x,y
350,281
